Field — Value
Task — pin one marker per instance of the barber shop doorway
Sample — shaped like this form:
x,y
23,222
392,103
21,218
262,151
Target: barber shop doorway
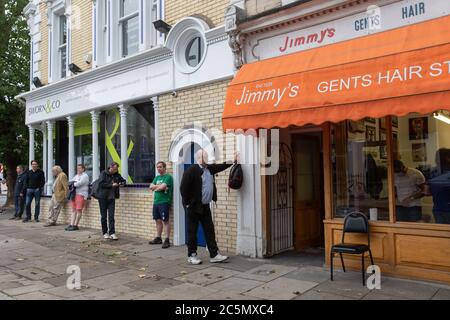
x,y
295,195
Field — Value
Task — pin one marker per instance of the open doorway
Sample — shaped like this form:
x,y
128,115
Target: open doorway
x,y
295,196
308,173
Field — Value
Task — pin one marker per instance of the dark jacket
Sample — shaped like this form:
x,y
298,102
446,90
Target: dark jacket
x,y
35,179
106,190
20,186
191,184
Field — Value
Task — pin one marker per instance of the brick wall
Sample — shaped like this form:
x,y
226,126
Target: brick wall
x,y
43,46
202,104
133,213
254,7
81,32
81,35
214,10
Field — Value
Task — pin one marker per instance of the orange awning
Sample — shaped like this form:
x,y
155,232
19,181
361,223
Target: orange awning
x,y
390,73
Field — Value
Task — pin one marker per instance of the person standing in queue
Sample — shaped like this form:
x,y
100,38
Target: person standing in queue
x,y
197,190
109,184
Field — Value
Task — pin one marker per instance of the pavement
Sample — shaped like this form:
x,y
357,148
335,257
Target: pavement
x,y
34,264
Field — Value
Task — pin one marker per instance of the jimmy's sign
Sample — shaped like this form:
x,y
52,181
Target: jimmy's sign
x,y
372,19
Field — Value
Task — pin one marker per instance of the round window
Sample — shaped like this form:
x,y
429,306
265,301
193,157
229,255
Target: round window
x,y
194,51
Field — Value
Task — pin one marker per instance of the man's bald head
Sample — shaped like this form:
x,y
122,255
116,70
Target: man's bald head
x,y
202,157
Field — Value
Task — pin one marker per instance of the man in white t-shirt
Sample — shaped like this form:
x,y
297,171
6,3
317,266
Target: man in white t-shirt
x,y
409,189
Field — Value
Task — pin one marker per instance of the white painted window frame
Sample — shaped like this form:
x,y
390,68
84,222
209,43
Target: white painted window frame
x,y
106,28
57,9
121,21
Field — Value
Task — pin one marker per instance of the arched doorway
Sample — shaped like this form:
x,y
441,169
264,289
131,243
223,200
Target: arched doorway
x,y
181,154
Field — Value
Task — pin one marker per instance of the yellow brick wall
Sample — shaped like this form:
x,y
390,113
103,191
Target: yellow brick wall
x,y
81,32
43,46
214,10
133,213
81,35
254,7
202,104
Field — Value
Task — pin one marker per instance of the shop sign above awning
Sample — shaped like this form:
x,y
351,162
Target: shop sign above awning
x,y
391,73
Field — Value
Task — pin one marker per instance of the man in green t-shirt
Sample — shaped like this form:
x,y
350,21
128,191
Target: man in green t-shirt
x,y
162,187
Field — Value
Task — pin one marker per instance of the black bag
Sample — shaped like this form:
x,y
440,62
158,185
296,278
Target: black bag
x,y
236,177
72,191
94,189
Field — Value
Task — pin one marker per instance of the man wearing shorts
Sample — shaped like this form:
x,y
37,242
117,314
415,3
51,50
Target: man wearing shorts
x,y
162,187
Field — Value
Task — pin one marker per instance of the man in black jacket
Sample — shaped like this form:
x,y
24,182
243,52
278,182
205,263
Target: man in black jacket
x,y
198,189
109,182
19,193
34,182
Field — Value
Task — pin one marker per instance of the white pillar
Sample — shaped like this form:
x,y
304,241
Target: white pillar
x,y
44,151
50,127
31,131
71,124
156,117
124,141
95,153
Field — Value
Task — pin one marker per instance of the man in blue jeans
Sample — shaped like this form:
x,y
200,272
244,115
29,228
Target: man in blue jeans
x,y
34,182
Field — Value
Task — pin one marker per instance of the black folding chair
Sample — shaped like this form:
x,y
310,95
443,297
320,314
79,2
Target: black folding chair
x,y
355,222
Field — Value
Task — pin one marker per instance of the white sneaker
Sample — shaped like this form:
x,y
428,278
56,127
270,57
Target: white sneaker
x,y
193,259
218,258
106,236
113,237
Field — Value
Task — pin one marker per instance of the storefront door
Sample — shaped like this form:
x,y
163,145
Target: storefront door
x,y
308,190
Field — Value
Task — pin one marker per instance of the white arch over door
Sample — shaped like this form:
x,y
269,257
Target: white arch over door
x,y
178,152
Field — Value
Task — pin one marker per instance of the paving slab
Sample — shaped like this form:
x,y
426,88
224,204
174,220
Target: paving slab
x,y
31,286
38,295
64,292
281,289
235,285
318,295
207,276
376,295
34,274
115,291
315,274
114,279
153,285
442,294
185,291
408,289
266,272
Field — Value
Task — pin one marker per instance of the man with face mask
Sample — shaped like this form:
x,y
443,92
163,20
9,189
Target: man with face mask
x,y
409,188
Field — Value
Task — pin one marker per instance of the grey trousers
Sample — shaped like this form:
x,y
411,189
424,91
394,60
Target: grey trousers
x,y
54,210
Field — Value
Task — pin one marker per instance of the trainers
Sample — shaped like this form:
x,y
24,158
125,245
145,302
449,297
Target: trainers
x,y
75,228
36,220
68,227
13,218
50,224
113,237
106,236
157,240
26,220
193,259
218,258
71,228
166,243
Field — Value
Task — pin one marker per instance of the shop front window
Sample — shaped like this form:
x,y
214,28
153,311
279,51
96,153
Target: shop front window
x,y
360,168
83,143
422,168
141,141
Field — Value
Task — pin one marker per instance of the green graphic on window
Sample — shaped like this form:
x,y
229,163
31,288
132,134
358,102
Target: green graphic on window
x,y
110,143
